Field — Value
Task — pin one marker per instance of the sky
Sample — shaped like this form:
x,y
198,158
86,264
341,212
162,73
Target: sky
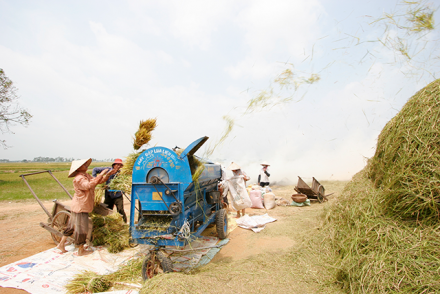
x,y
90,71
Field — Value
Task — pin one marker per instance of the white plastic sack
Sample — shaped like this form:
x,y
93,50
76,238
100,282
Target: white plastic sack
x,y
240,197
269,200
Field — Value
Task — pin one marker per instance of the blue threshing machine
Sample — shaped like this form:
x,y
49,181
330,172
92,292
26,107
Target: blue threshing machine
x,y
177,197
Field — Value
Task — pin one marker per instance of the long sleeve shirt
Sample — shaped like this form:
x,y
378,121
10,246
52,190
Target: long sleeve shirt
x,y
264,176
84,185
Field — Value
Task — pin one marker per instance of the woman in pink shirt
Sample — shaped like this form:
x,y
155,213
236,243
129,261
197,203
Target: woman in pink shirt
x,y
82,204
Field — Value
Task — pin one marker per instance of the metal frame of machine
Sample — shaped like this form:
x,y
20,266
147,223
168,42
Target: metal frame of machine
x,y
177,197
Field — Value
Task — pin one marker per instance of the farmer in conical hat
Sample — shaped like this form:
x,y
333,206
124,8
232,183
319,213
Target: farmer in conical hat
x,y
263,178
236,170
82,204
113,197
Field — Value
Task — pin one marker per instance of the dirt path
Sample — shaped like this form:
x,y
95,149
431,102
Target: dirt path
x,y
22,236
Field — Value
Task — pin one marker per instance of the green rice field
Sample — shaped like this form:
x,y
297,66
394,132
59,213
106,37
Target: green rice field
x,y
13,188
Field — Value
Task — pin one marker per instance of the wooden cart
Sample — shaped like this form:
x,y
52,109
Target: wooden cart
x,y
60,215
316,192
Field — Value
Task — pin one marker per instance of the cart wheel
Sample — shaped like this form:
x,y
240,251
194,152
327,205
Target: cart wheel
x,y
59,223
131,243
321,193
221,223
155,263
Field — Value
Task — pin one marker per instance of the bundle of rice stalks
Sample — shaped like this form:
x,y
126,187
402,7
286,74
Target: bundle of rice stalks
x,y
121,182
375,253
127,169
143,135
99,194
128,273
91,282
406,163
88,282
110,231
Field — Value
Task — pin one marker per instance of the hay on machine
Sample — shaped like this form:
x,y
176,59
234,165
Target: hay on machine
x,y
110,230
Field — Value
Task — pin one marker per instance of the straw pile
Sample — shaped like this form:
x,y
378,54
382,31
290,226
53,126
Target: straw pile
x,y
91,282
406,163
143,135
384,230
88,282
110,231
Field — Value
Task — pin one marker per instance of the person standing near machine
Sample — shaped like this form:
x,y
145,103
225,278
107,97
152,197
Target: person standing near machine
x,y
237,172
82,204
113,197
263,178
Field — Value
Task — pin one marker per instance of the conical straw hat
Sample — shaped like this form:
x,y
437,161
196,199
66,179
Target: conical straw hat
x,y
234,166
265,163
76,164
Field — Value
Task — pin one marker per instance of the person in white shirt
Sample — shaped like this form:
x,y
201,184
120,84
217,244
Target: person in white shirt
x,y
236,171
263,178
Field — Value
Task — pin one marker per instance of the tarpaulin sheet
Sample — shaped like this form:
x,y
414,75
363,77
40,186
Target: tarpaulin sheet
x,y
255,223
49,271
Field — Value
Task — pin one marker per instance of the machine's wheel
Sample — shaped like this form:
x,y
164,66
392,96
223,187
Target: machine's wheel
x,y
59,223
221,223
321,194
131,243
175,208
156,262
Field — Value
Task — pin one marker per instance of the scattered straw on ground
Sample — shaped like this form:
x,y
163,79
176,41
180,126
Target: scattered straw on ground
x,y
375,253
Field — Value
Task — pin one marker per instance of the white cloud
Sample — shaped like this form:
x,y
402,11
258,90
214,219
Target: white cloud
x,y
275,32
194,21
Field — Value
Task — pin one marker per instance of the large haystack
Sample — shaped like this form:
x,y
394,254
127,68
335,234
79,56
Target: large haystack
x,y
406,165
383,230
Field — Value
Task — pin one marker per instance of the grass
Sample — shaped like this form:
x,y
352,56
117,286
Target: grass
x,y
13,188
